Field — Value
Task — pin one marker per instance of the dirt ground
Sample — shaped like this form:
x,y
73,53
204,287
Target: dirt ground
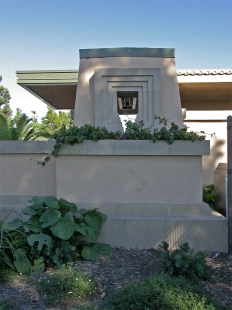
x,y
113,272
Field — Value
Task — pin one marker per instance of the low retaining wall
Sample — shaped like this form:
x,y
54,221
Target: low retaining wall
x,y
151,192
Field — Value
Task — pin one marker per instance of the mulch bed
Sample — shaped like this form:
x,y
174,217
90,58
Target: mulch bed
x,y
113,272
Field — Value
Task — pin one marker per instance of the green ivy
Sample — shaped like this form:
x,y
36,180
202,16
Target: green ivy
x,y
78,134
134,131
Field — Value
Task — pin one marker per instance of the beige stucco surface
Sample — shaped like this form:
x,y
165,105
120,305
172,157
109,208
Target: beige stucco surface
x,y
149,197
124,179
20,175
218,146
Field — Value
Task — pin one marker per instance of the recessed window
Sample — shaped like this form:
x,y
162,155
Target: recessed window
x,y
127,102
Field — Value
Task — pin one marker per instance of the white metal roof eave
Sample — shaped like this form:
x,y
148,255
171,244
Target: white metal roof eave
x,y
204,75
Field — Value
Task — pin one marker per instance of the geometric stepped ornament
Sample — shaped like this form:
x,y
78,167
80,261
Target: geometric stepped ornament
x,y
121,81
110,84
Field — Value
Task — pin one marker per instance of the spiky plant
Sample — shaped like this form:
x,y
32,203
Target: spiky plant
x,y
16,130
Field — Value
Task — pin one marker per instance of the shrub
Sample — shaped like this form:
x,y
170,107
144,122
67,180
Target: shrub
x,y
164,293
184,262
66,282
208,195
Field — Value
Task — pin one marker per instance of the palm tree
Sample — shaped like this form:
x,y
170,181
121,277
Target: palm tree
x,y
21,129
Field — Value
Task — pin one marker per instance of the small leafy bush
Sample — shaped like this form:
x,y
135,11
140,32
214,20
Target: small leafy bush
x,y
66,282
162,292
184,262
208,195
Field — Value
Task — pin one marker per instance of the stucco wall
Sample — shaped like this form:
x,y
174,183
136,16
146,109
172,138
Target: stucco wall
x,y
20,176
150,192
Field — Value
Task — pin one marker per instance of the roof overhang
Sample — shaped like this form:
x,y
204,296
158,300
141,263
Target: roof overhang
x,y
55,88
204,89
58,88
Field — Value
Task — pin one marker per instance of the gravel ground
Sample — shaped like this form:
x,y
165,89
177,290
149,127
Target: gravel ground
x,y
113,272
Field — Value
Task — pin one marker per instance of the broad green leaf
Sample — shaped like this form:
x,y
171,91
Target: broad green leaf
x,y
15,224
94,221
50,217
65,227
33,224
91,233
51,202
29,210
102,249
93,212
68,205
89,253
103,216
33,229
84,211
21,262
37,202
81,228
42,240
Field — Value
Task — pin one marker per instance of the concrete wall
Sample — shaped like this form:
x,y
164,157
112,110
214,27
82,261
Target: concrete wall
x,y
150,192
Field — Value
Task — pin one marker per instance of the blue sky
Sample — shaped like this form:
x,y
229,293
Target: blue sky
x,y
47,34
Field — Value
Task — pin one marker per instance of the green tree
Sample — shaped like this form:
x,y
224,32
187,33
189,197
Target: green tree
x,y
22,129
17,127
52,122
5,109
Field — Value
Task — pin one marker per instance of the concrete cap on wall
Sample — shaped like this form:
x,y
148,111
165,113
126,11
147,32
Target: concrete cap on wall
x,y
127,52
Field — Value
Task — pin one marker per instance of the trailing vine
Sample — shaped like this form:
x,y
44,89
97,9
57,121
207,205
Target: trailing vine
x,y
169,132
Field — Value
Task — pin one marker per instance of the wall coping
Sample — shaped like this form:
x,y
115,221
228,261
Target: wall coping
x,y
26,147
127,52
110,148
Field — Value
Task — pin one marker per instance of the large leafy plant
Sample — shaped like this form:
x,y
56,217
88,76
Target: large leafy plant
x,y
54,229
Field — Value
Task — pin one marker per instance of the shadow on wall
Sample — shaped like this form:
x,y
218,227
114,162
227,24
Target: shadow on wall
x,y
209,163
199,234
